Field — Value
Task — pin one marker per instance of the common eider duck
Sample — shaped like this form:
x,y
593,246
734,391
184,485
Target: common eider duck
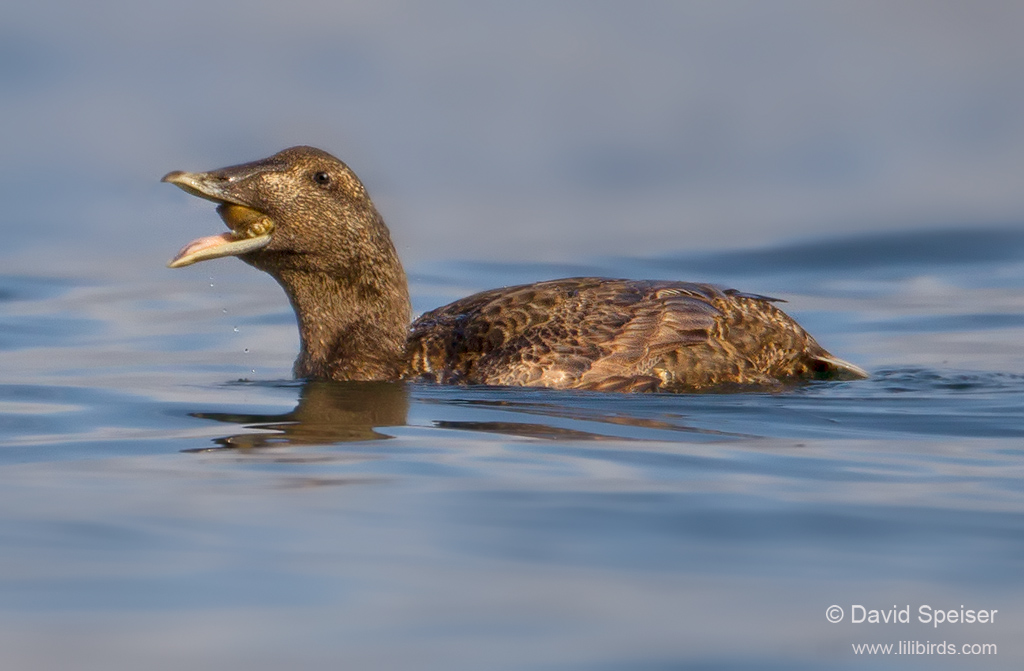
x,y
304,217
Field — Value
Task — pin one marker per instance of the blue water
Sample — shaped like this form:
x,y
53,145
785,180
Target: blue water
x,y
171,499
166,486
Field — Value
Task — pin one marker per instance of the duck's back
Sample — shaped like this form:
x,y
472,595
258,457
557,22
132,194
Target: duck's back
x,y
607,334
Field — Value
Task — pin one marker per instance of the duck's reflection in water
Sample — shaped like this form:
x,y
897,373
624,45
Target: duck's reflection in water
x,y
328,412
343,412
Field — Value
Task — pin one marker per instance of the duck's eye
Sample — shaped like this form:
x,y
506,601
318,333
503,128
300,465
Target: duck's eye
x,y
322,178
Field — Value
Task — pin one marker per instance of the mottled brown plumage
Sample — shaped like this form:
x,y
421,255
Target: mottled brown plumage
x,y
615,335
304,217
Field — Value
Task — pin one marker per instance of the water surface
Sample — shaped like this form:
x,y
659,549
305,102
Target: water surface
x,y
163,480
170,498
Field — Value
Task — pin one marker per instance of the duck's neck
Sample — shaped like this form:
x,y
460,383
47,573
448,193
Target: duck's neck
x,y
352,327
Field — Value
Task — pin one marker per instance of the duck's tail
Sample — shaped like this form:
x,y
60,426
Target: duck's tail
x,y
829,367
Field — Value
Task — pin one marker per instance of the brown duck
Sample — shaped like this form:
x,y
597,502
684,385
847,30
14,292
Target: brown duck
x,y
304,217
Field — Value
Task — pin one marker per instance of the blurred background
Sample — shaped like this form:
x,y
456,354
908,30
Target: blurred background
x,y
523,131
863,160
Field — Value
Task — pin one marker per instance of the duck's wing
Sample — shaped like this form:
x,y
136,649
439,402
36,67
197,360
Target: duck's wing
x,y
589,333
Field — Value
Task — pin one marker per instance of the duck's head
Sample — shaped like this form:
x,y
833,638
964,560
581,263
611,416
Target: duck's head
x,y
304,217
298,209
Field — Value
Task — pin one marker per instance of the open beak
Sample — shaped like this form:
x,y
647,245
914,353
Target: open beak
x,y
250,229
